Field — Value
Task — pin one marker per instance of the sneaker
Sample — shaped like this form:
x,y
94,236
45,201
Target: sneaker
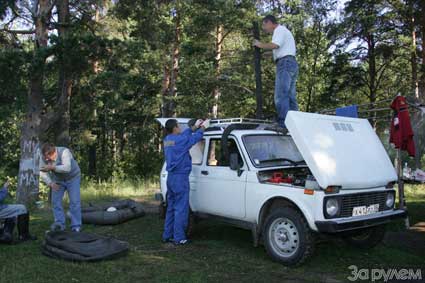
x,y
76,230
182,242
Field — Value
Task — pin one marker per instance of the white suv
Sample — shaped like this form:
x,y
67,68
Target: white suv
x,y
330,175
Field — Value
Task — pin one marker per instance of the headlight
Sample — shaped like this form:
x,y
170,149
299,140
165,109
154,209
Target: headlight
x,y
389,202
332,207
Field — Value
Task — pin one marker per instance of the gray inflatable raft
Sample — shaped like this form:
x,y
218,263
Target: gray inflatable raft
x,y
125,210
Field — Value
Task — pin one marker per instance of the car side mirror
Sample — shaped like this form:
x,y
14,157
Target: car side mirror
x,y
234,163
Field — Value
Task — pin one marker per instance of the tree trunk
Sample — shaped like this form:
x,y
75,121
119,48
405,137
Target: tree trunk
x,y
312,80
217,63
257,70
169,104
422,79
372,69
35,122
164,91
28,177
92,160
413,60
92,148
65,82
372,77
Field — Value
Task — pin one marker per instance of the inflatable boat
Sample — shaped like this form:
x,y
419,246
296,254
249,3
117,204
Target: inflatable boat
x,y
82,246
112,213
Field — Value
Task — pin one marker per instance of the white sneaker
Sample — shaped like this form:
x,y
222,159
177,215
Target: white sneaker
x,y
182,242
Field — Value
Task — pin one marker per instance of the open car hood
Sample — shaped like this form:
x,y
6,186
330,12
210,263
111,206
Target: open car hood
x,y
341,151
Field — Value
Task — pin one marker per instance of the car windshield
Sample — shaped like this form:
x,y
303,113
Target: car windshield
x,y
272,150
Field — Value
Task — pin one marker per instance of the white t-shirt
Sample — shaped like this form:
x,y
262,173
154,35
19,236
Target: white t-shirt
x,y
284,38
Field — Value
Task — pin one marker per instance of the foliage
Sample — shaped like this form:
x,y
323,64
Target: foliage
x,y
116,53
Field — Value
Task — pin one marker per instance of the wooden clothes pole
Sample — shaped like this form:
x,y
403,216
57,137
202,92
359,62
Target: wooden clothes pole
x,y
401,199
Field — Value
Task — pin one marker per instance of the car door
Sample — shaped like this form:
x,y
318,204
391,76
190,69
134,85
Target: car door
x,y
197,155
220,191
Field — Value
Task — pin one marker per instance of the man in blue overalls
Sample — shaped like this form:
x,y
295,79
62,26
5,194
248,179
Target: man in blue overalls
x,y
179,165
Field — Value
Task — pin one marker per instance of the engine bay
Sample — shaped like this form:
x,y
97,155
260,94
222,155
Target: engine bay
x,y
296,176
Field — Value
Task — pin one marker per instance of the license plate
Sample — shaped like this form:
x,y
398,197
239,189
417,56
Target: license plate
x,y
365,210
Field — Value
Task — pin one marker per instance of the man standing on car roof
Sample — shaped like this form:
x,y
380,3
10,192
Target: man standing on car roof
x,y
284,51
179,165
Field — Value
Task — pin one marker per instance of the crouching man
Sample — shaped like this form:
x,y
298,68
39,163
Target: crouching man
x,y
12,213
179,165
60,171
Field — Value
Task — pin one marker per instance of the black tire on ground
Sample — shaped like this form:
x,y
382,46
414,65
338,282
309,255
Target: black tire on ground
x,y
287,236
366,238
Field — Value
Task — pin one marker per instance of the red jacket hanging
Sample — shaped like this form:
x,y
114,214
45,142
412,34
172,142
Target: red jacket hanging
x,y
401,133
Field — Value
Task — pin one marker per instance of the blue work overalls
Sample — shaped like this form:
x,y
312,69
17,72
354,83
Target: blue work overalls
x,y
179,166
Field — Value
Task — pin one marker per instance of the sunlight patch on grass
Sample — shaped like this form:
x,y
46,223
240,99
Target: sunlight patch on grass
x,y
118,189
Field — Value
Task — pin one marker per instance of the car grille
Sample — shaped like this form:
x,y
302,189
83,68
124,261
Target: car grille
x,y
350,201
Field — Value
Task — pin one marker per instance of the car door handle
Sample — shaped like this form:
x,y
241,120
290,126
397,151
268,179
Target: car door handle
x,y
204,172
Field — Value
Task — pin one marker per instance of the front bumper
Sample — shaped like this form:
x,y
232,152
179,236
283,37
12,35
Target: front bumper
x,y
342,225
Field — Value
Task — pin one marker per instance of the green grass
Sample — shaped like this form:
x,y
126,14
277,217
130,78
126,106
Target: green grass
x,y
219,253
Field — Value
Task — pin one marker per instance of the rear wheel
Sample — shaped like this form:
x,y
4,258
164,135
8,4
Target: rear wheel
x,y
287,236
366,238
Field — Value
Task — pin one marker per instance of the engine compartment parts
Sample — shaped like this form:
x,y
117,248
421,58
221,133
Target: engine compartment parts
x,y
298,176
112,213
84,247
277,178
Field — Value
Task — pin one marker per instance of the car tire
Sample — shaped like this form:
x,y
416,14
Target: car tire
x,y
287,236
366,238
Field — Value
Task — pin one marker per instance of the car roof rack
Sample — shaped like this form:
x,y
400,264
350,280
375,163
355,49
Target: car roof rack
x,y
228,121
222,124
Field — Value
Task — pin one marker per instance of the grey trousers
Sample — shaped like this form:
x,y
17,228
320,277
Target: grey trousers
x,y
12,210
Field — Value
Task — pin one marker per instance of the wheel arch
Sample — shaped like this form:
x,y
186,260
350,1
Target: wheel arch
x,y
279,201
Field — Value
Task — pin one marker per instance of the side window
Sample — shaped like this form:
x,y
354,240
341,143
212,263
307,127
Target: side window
x,y
197,152
214,153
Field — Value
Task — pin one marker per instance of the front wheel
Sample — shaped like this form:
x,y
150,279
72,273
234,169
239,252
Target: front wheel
x,y
287,236
367,238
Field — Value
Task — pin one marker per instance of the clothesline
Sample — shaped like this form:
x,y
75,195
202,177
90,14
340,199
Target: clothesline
x,y
415,107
